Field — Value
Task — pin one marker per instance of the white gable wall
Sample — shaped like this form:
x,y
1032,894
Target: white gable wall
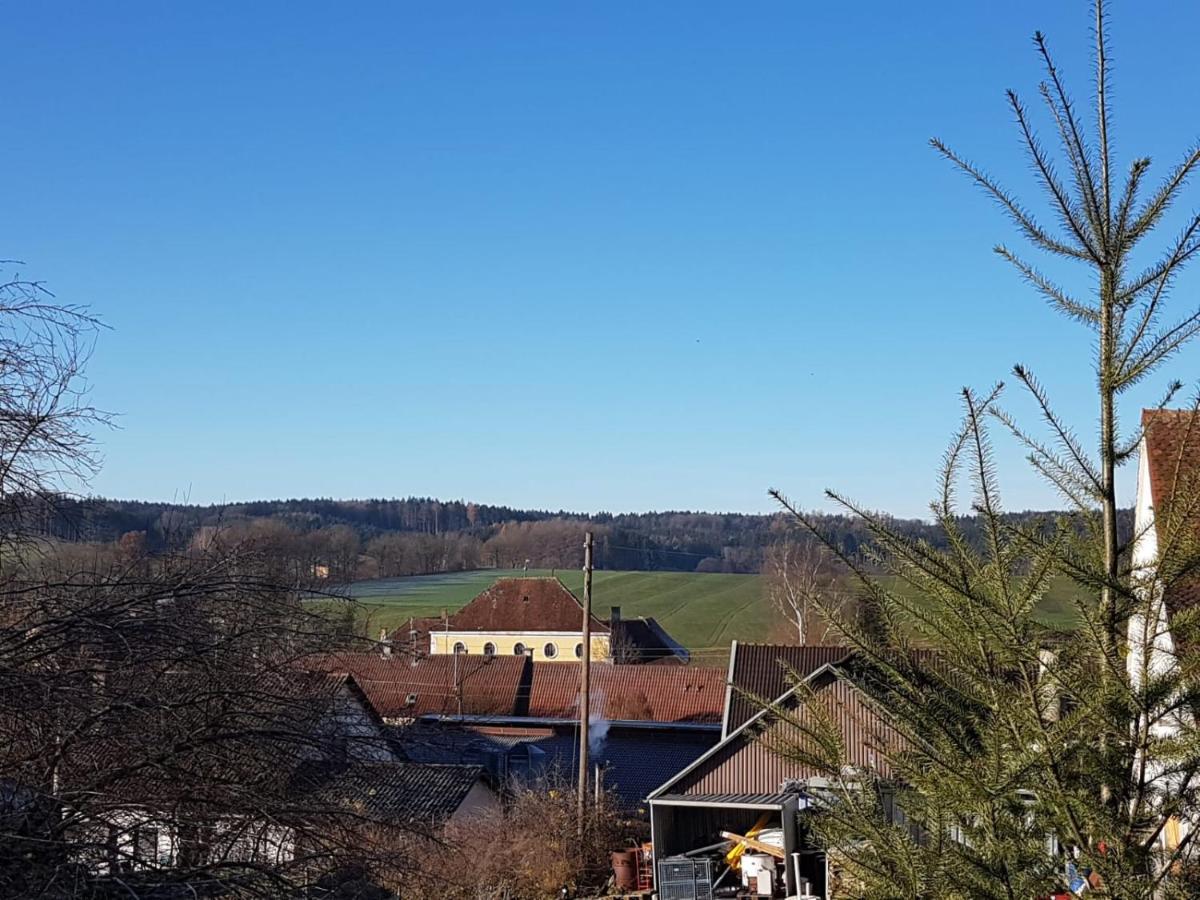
x,y
479,801
1151,649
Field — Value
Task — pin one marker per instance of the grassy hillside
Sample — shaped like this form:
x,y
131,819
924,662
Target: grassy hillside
x,y
704,612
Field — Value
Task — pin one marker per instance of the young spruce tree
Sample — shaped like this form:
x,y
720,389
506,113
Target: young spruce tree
x,y
1016,747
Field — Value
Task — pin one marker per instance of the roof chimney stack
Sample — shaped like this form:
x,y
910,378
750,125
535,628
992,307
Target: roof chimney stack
x,y
615,617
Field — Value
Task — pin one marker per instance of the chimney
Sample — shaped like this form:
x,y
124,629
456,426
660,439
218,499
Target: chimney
x,y
385,643
615,616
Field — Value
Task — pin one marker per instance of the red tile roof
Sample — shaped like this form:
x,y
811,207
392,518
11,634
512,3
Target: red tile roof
x,y
1173,460
524,604
637,693
401,687
1173,452
762,670
413,635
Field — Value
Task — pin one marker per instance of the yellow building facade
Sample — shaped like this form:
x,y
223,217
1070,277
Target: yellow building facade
x,y
547,646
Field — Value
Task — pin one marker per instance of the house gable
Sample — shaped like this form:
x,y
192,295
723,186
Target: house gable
x,y
744,765
762,670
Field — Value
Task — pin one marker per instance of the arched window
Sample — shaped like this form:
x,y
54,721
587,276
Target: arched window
x,y
519,649
460,647
551,650
579,651
489,649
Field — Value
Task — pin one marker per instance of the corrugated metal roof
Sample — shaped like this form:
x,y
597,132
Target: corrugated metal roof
x,y
630,692
745,763
746,800
761,670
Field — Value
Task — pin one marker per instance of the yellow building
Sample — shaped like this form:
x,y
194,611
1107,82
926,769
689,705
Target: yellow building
x,y
535,617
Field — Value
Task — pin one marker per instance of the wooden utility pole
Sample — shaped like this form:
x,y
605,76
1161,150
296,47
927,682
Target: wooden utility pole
x,y
585,674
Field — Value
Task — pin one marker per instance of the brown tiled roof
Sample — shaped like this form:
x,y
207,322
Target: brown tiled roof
x,y
415,634
1173,450
524,604
634,693
761,670
403,687
1173,460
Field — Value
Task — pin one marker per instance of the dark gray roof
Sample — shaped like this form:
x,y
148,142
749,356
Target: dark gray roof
x,y
636,761
418,793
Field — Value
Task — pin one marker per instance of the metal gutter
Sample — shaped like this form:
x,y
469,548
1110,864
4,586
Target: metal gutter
x,y
537,720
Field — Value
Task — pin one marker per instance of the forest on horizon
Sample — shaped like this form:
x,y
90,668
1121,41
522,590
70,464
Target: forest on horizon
x,y
387,538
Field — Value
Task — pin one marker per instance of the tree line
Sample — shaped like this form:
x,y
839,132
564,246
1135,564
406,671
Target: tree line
x,y
352,539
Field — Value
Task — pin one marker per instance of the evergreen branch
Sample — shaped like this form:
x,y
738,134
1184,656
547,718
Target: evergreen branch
x,y
1102,113
1160,348
1184,248
1128,197
1065,436
1161,201
1045,170
917,554
1160,276
944,511
1130,447
1023,219
1058,298
984,474
1077,151
1058,472
1069,490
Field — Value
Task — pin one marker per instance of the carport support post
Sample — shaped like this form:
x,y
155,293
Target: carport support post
x,y
585,674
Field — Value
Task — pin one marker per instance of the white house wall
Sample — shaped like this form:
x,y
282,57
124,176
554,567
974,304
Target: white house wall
x,y
480,801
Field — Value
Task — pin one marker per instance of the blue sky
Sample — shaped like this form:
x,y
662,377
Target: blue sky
x,y
614,255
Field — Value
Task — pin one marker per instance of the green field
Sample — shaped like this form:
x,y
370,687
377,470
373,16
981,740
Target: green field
x,y
704,612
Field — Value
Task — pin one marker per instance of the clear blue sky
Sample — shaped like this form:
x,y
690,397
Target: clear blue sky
x,y
615,255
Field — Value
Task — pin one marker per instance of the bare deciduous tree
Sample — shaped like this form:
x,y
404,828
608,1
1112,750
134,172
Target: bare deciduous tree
x,y
799,578
46,419
158,733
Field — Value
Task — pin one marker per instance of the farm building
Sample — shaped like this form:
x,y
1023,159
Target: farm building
x,y
538,618
350,763
519,717
535,617
741,787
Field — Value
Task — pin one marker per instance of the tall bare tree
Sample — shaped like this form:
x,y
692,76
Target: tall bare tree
x,y
800,579
46,418
158,735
